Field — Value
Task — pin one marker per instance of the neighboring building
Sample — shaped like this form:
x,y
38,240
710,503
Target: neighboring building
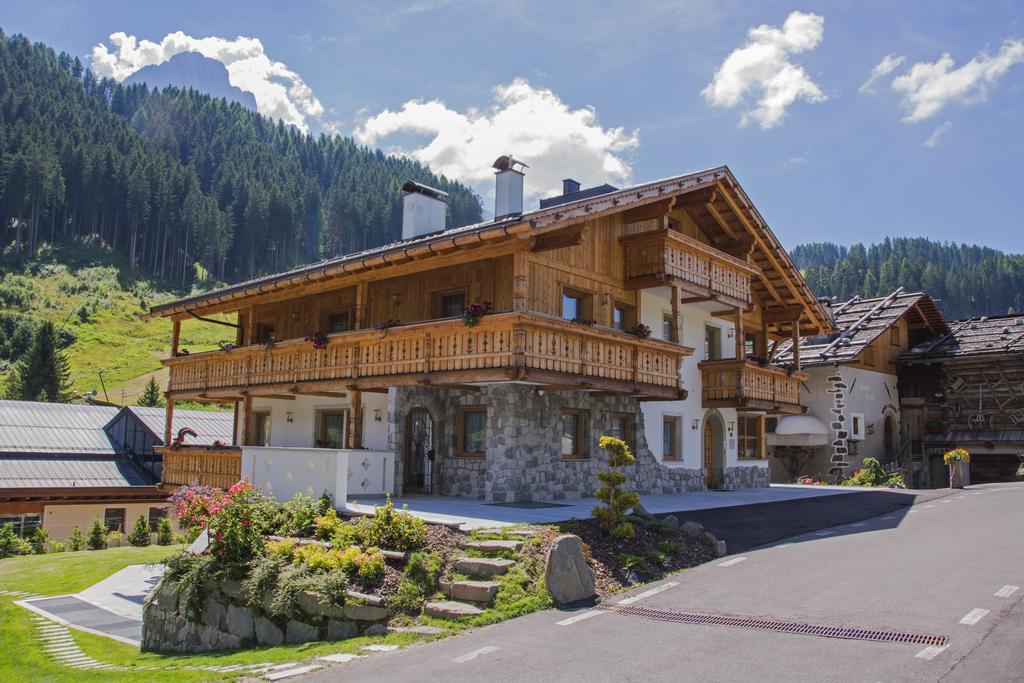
x,y
966,388
64,465
359,374
852,391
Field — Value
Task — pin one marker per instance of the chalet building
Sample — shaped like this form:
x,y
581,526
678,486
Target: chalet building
x,y
966,388
486,361
63,465
852,387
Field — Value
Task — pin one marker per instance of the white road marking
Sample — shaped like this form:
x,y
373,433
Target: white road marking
x,y
1006,591
944,502
340,658
627,601
824,533
579,617
889,517
977,493
931,652
729,563
929,506
974,616
910,512
288,673
474,654
378,647
857,524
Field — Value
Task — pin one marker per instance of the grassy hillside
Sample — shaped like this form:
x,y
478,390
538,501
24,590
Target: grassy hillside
x,y
98,302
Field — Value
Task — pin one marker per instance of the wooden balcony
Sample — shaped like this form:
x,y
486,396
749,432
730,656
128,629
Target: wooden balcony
x,y
735,383
666,257
524,347
218,467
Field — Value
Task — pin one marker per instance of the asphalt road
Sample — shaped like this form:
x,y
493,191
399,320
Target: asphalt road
x,y
944,566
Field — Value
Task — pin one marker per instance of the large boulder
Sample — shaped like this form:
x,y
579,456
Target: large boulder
x,y
300,632
240,622
566,572
267,633
357,612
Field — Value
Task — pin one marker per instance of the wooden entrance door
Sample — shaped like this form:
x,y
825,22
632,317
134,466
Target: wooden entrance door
x,y
709,454
419,452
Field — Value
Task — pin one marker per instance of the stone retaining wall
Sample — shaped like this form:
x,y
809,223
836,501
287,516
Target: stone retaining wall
x,y
227,623
746,477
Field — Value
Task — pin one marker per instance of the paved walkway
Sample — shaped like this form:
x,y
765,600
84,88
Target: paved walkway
x,y
475,514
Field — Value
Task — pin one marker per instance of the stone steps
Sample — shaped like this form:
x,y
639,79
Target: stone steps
x,y
493,547
482,592
483,567
450,609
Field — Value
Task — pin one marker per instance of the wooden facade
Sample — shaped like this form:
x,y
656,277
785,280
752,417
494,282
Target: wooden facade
x,y
203,465
744,384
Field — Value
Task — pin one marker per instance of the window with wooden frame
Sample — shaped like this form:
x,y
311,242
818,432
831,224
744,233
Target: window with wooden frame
x,y
750,433
337,321
449,303
331,428
623,426
259,428
749,345
712,342
668,327
577,305
155,515
671,431
623,316
574,434
869,356
264,333
895,335
113,519
473,431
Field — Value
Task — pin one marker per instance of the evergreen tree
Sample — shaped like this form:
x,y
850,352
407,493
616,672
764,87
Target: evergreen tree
x,y
151,396
97,539
139,535
164,533
76,541
43,373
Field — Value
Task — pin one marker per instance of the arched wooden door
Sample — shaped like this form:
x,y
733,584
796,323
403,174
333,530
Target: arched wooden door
x,y
709,454
890,437
419,452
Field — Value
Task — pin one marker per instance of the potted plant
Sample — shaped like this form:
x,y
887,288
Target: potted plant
x,y
471,314
319,340
641,330
955,459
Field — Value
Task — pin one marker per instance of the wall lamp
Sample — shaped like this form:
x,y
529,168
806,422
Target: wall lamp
x,y
289,416
376,415
696,424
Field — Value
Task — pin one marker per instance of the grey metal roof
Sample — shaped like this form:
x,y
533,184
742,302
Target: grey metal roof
x,y
209,425
30,427
34,471
986,336
860,322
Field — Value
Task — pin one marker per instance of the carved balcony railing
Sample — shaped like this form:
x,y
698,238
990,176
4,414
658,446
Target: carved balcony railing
x,y
662,257
735,383
205,465
502,347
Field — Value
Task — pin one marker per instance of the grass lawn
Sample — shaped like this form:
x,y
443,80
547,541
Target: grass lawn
x,y
23,658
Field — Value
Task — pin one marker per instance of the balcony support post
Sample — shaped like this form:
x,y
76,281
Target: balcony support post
x,y
355,420
741,347
676,337
168,420
796,344
521,279
361,291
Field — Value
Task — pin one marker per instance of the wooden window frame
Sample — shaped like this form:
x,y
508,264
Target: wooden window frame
x,y
629,427
124,518
581,433
677,428
154,521
869,356
742,437
437,301
461,450
628,316
717,332
586,299
259,332
318,426
673,330
895,335
325,320
251,427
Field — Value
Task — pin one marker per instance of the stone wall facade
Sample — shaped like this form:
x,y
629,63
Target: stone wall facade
x,y
746,477
228,623
523,459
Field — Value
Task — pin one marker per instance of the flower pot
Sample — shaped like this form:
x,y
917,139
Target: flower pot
x,y
956,475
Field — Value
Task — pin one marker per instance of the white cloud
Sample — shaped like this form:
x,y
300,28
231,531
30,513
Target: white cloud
x,y
532,124
881,70
928,87
938,134
762,66
280,92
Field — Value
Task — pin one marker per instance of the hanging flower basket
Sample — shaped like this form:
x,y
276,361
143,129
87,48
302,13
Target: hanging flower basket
x,y
471,314
956,460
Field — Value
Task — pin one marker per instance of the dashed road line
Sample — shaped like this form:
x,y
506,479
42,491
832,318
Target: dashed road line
x,y
857,524
824,533
974,616
931,652
929,505
340,658
487,649
1006,591
729,563
288,673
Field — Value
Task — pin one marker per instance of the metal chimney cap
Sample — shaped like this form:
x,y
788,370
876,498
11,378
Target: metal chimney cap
x,y
419,188
506,162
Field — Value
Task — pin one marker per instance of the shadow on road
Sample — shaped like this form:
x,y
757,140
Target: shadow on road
x,y
743,527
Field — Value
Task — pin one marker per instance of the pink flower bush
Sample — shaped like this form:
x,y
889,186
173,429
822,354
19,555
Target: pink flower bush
x,y
235,538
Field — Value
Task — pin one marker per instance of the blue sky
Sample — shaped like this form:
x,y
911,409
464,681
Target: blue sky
x,y
628,92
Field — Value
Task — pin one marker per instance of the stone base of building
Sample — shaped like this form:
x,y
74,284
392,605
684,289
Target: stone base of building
x,y
746,477
523,461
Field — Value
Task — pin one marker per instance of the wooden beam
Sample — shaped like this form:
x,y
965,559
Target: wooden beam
x,y
796,345
726,228
783,314
355,421
362,288
168,420
675,315
648,211
520,274
246,419
695,198
558,240
297,390
175,337
741,346
276,397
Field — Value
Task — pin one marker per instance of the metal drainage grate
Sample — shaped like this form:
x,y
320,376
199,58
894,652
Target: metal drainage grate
x,y
778,626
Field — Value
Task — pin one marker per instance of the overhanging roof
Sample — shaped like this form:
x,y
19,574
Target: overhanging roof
x,y
54,428
980,338
48,472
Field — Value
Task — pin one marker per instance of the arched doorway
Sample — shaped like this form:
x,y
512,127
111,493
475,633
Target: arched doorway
x,y
714,450
889,437
419,451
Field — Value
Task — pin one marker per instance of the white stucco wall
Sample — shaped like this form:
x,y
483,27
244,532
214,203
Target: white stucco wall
x,y
301,430
868,393
60,520
654,304
285,472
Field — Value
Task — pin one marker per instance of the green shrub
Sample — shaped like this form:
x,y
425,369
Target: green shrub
x,y
408,599
9,540
191,573
392,529
97,535
873,474
164,532
297,516
39,539
327,525
283,549
292,581
522,590
76,541
114,539
58,547
347,535
634,563
139,536
617,501
262,577
424,568
671,547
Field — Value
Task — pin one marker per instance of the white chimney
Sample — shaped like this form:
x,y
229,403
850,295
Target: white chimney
x,y
423,210
508,189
